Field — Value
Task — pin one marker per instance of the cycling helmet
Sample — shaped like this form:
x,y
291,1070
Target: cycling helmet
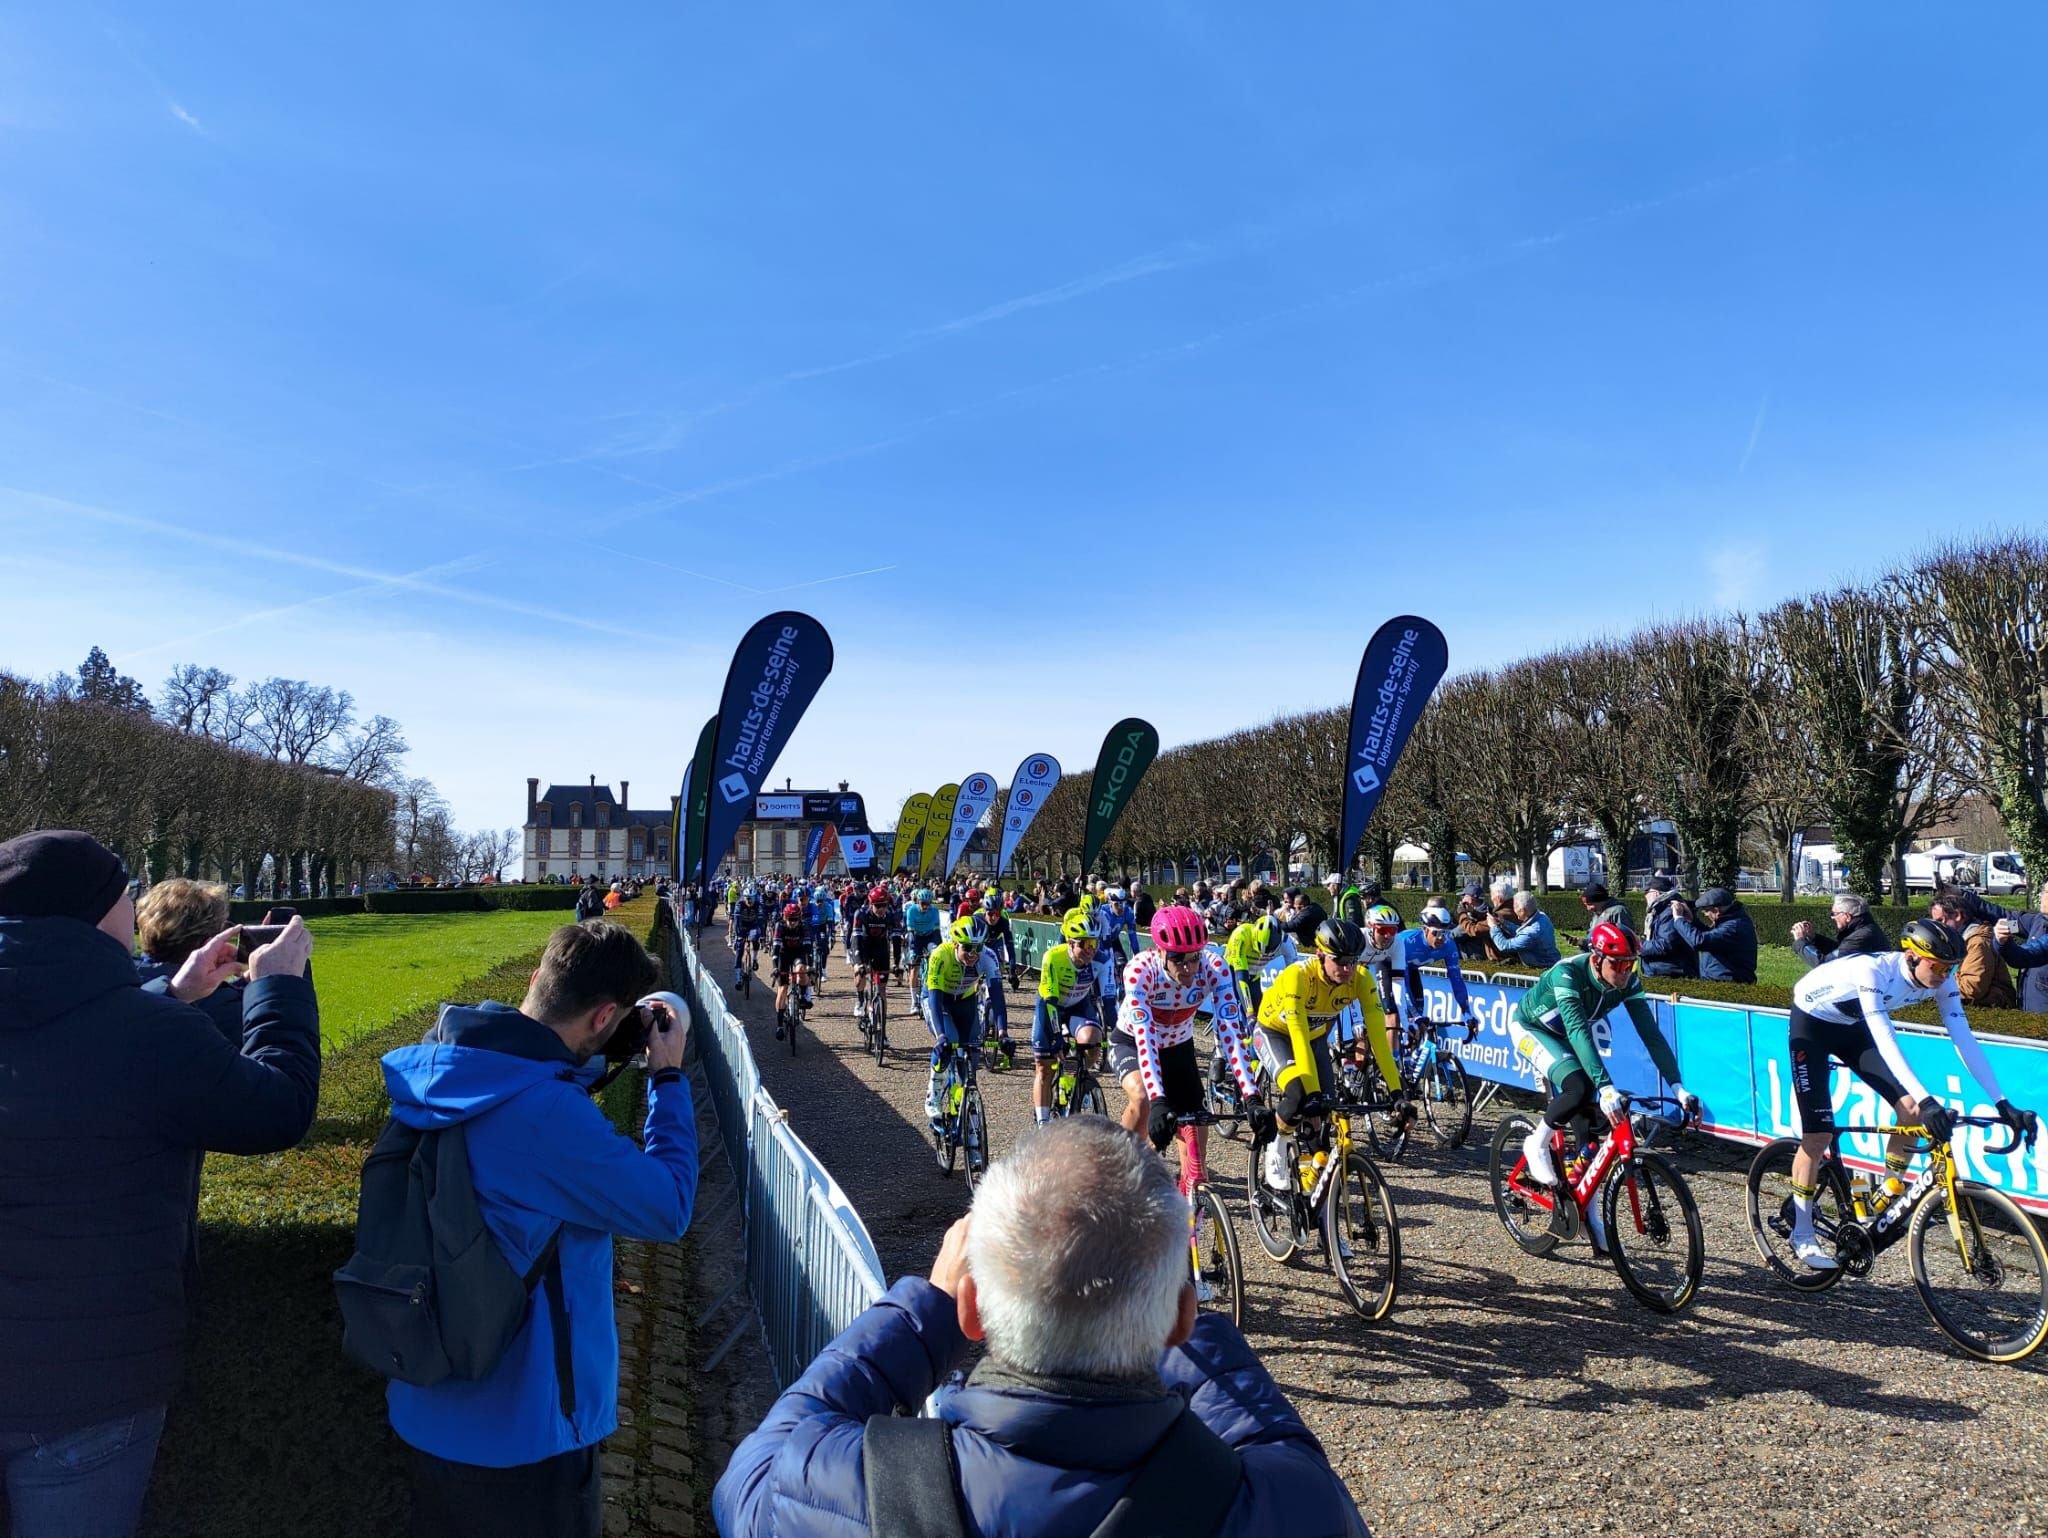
x,y
964,935
990,901
1179,929
1266,934
923,894
878,895
1340,940
792,911
1611,940
1118,895
1383,916
1074,926
1925,938
1436,915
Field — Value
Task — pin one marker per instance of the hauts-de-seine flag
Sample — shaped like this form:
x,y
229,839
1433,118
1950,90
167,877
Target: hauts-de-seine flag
x,y
977,792
696,805
1127,752
777,670
1029,787
910,828
1403,663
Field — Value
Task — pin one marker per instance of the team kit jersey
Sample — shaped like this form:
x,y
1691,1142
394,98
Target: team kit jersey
x,y
946,972
1554,1022
1063,983
1300,1007
1158,1014
1862,991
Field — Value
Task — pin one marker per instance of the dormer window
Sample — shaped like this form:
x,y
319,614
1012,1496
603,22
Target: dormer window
x,y
576,814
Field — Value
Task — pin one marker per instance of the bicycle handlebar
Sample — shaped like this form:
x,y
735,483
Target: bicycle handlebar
x,y
1914,1130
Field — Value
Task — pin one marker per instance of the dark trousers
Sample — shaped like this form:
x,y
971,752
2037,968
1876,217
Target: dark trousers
x,y
559,1497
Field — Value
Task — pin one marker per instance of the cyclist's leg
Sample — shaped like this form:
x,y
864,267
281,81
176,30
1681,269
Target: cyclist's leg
x,y
948,1034
1045,1057
1180,1074
1123,1062
998,1023
1289,1089
1812,1043
1869,1065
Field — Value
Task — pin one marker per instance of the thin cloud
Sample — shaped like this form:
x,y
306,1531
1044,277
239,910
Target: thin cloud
x,y
758,592
1739,571
1756,432
178,111
172,105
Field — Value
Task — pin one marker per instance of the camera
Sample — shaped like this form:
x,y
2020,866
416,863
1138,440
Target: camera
x,y
646,1016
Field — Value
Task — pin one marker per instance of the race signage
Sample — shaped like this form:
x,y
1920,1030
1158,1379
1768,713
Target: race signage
x,y
1029,787
1403,663
937,821
1127,752
977,794
776,672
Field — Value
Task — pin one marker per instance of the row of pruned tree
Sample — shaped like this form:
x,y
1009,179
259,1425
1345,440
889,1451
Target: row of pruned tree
x,y
1874,709
275,786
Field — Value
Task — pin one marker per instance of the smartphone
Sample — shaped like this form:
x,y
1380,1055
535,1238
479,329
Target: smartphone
x,y
280,916
254,935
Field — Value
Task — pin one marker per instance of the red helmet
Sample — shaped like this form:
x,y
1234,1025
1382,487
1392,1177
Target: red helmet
x,y
792,911
1179,929
878,895
1611,940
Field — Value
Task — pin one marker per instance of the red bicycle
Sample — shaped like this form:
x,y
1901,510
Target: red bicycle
x,y
1655,1241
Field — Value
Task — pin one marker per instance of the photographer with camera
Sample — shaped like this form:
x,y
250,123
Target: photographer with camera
x,y
516,1450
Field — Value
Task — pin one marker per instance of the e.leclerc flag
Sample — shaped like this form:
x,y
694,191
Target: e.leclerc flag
x,y
909,828
977,793
697,802
1032,783
1403,663
776,672
813,847
936,823
1127,752
860,851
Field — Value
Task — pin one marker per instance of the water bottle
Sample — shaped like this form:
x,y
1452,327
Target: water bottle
x,y
1859,1195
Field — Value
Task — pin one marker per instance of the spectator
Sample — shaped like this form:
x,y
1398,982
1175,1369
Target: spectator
x,y
1602,907
1533,941
1983,978
1144,905
1723,933
1856,933
173,919
1665,952
1073,1268
1474,921
1302,918
497,1455
2022,940
589,901
111,1093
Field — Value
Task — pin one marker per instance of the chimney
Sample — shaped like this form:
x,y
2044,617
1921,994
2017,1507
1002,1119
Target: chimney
x,y
532,796
624,786
593,782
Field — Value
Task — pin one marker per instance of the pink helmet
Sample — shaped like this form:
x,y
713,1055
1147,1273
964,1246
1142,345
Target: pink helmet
x,y
1179,929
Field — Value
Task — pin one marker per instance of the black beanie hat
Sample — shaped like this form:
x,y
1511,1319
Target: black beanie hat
x,y
59,874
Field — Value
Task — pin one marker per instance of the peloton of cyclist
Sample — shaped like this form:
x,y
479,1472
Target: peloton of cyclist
x,y
952,977
996,934
1251,948
744,920
1295,1019
1841,1010
1068,1005
792,956
870,944
1553,1029
1432,944
827,909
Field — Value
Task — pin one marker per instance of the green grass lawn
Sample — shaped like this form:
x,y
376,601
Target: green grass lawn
x,y
373,968
1778,966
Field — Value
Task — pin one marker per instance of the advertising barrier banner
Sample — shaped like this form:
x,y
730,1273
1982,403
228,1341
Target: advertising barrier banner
x,y
777,670
937,823
1029,787
1127,752
977,793
910,828
1403,663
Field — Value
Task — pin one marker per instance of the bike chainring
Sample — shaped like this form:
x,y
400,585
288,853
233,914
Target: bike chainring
x,y
1854,1250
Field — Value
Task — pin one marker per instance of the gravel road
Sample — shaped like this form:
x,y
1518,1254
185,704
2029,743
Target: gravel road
x,y
1507,1394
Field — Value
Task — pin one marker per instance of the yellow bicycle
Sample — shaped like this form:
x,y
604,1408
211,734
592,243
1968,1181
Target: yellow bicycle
x,y
1339,1200
1978,1261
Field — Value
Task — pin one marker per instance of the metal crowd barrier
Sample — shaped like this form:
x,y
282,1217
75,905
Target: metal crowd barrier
x,y
811,1268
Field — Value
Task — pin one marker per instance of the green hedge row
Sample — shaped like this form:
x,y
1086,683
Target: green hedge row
x,y
468,899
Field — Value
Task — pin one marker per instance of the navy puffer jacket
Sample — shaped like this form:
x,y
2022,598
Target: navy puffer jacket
x,y
1034,1462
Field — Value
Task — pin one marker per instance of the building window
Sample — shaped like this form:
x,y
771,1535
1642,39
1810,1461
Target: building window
x,y
541,869
778,844
576,814
575,841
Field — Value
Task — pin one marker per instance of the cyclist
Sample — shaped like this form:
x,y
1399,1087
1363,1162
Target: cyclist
x,y
952,976
996,935
1433,944
1295,1019
872,927
1152,1049
1116,937
1842,1010
1069,1003
1249,950
827,909
1554,1030
923,922
792,954
743,922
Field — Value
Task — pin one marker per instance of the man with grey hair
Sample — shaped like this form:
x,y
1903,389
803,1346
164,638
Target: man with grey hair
x,y
1856,933
1102,1387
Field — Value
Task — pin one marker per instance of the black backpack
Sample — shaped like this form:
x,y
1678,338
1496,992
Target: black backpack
x,y
428,1295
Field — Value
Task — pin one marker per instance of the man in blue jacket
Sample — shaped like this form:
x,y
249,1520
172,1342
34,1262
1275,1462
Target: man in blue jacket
x,y
108,1094
1073,1268
1723,933
516,1452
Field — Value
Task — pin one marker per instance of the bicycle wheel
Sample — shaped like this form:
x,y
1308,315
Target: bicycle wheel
x,y
973,1135
1216,1261
878,1026
1446,1098
1527,1223
1653,1233
746,981
1359,1216
1272,1211
1088,1097
793,1013
1769,1200
1982,1271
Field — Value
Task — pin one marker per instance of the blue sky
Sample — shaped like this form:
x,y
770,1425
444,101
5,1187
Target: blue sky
x,y
501,364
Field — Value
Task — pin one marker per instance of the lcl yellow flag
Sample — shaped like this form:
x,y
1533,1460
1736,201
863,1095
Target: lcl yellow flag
x,y
938,822
909,825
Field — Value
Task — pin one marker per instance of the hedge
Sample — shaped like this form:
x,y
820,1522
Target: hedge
x,y
467,899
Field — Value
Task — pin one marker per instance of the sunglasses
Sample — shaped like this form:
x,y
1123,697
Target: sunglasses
x,y
1181,959
1345,963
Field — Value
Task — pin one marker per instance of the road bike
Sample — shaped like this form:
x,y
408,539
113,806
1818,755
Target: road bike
x,y
871,1011
962,1131
1655,1241
748,961
1219,1087
998,1051
1075,1089
1436,1079
1338,1201
1212,1240
1978,1261
796,1004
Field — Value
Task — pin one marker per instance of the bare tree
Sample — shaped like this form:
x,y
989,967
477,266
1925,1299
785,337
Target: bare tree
x,y
1698,681
294,720
370,754
1597,714
201,699
421,815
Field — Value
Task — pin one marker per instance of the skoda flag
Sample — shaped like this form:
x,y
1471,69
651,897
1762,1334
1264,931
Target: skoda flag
x,y
776,672
1127,752
909,828
1032,783
937,821
1403,663
697,801
977,793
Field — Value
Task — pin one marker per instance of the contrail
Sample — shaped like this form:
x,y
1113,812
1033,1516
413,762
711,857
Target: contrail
x,y
1756,431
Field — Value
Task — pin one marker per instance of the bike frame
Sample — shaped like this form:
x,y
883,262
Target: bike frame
x,y
1885,1228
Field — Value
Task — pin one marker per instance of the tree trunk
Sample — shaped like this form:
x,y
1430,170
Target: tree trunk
x,y
1614,850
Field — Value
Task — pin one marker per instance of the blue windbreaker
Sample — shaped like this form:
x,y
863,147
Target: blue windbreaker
x,y
1412,952
921,920
542,1156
